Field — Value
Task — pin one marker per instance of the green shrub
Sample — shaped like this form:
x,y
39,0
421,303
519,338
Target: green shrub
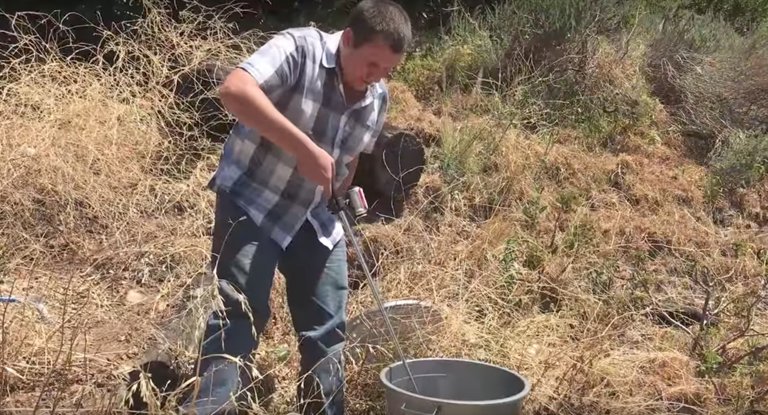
x,y
451,62
466,151
422,73
740,163
743,15
541,64
602,68
711,79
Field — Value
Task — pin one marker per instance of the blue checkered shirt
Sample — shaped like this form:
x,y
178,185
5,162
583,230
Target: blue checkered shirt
x,y
297,71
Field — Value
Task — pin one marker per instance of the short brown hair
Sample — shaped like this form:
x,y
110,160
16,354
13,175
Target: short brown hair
x,y
384,19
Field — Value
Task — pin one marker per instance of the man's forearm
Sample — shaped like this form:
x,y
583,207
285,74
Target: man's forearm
x,y
243,98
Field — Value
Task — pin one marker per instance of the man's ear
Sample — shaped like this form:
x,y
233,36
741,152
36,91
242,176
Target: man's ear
x,y
347,38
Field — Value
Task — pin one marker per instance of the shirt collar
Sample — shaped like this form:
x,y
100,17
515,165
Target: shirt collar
x,y
331,50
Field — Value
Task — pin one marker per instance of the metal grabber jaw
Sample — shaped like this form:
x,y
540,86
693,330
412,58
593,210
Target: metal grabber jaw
x,y
336,204
353,198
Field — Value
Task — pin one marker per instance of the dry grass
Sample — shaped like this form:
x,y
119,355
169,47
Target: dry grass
x,y
543,257
93,208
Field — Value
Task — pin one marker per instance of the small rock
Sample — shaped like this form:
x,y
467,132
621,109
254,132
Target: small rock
x,y
28,152
533,350
135,296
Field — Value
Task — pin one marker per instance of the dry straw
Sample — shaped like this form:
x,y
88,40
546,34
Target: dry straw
x,y
106,219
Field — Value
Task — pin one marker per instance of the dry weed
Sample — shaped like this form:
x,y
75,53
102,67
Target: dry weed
x,y
539,256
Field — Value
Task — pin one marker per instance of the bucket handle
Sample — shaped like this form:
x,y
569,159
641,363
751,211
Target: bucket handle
x,y
405,410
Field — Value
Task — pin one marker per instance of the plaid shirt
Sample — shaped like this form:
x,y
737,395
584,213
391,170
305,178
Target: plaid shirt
x,y
297,71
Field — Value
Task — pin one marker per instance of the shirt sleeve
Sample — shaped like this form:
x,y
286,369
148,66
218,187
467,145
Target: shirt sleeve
x,y
381,116
275,65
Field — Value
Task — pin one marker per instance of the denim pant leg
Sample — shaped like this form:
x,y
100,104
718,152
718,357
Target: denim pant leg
x,y
316,285
244,262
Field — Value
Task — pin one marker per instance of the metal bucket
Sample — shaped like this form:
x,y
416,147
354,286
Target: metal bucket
x,y
453,387
415,323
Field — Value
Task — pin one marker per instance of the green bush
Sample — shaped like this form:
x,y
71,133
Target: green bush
x,y
602,68
422,73
711,79
466,151
542,64
743,15
741,162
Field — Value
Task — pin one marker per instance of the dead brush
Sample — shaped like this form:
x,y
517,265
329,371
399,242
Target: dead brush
x,y
541,256
94,205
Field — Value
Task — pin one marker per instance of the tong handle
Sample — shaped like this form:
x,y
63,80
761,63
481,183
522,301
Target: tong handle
x,y
337,203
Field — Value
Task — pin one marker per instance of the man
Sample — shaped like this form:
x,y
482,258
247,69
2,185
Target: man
x,y
307,104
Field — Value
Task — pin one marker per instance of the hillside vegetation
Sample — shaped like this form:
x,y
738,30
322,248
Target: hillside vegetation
x,y
593,215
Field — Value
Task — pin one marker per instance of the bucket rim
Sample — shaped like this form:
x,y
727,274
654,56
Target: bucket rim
x,y
518,396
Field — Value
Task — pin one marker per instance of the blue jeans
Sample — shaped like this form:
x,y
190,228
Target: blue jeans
x,y
244,260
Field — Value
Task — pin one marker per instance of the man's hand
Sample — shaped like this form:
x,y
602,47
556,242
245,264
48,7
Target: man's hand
x,y
242,97
318,167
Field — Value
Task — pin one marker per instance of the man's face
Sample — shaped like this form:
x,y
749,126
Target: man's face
x,y
368,63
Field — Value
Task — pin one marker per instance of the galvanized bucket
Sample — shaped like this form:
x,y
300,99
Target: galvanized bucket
x,y
453,387
415,323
